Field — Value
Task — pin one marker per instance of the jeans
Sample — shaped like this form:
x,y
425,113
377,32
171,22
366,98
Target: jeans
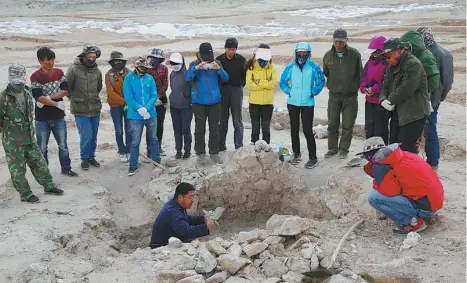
x,y
347,104
160,110
376,121
431,139
202,113
58,129
136,130
232,100
181,121
307,113
397,208
87,130
409,135
261,120
119,119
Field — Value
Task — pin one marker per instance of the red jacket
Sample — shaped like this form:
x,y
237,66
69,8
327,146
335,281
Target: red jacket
x,y
398,172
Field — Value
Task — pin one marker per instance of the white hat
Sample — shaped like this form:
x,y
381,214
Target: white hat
x,y
176,58
263,53
369,51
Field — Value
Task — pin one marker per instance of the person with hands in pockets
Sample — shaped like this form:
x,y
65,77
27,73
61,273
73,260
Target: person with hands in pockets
x,y
140,92
301,81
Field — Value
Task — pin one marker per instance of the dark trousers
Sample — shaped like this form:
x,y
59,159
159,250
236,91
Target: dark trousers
x,y
376,121
307,113
261,120
347,104
393,127
181,122
161,110
212,114
410,133
232,100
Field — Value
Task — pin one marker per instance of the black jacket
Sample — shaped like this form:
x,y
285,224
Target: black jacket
x,y
235,68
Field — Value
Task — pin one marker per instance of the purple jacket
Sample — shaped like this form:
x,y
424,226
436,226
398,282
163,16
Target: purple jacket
x,y
372,76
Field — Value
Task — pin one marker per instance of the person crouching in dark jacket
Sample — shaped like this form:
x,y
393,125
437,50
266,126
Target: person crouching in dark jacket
x,y
174,221
405,188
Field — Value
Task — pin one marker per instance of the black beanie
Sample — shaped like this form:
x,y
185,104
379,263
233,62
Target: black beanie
x,y
231,43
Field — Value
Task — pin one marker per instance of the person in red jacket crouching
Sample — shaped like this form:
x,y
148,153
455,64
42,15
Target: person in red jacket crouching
x,y
405,188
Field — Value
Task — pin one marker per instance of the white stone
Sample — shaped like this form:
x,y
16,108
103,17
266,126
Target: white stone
x,y
248,237
231,263
218,277
292,277
206,261
337,279
193,279
235,250
278,126
308,252
277,250
235,279
275,267
175,243
274,240
286,225
272,280
314,262
173,275
254,249
215,247
195,243
298,264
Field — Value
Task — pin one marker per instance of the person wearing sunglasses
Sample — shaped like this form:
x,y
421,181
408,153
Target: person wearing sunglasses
x,y
85,81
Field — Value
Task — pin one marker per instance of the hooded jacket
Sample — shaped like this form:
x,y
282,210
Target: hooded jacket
x,y
405,86
205,88
424,55
140,91
301,85
85,85
372,77
261,82
180,95
114,87
398,172
445,64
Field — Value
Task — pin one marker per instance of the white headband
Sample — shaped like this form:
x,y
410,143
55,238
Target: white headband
x,y
263,53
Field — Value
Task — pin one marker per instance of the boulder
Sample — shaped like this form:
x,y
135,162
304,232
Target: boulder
x,y
235,250
275,267
175,243
218,277
249,236
216,248
231,263
286,225
254,249
193,279
206,261
277,250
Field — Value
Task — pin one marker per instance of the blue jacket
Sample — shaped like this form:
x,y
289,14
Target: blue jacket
x,y
205,87
305,83
139,91
173,221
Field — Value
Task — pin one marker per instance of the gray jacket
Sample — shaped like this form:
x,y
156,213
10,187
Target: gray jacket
x,y
446,70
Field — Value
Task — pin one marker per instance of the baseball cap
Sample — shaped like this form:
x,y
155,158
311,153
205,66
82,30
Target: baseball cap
x,y
392,44
339,34
206,53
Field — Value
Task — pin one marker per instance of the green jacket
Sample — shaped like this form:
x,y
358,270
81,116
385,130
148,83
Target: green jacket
x,y
85,84
17,126
425,56
405,86
343,74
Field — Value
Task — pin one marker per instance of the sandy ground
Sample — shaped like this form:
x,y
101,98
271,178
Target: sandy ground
x,y
30,233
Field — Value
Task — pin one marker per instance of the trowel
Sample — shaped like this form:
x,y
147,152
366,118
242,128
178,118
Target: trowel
x,y
215,215
357,162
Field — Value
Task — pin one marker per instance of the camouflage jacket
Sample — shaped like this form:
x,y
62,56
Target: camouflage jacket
x,y
17,127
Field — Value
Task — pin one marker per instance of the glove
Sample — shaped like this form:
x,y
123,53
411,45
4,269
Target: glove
x,y
387,105
40,105
142,111
146,116
61,105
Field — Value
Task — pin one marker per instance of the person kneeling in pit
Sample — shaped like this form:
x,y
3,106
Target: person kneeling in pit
x,y
173,220
405,188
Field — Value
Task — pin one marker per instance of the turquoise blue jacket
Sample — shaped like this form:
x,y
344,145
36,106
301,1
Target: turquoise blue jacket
x,y
301,85
139,91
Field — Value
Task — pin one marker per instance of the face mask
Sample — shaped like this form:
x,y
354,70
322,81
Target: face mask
x,y
88,62
301,59
118,65
140,71
262,63
177,67
17,88
155,62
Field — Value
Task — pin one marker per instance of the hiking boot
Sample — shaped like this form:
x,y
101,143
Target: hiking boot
x,y
434,167
297,157
202,159
330,153
94,163
216,159
124,157
406,229
69,173
31,199
311,163
132,171
85,165
178,155
186,155
222,148
54,191
342,155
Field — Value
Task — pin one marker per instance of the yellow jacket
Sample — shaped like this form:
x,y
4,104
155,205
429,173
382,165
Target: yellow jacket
x,y
261,82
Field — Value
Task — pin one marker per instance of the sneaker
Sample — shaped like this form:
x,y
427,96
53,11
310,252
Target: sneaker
x,y
186,155
132,171
311,163
297,157
216,159
222,148
202,160
330,153
70,173
85,165
94,163
178,155
162,153
342,155
54,191
406,229
124,158
31,199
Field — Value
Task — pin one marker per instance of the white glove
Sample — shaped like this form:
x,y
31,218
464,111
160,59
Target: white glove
x,y
61,105
40,105
146,116
142,111
387,105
